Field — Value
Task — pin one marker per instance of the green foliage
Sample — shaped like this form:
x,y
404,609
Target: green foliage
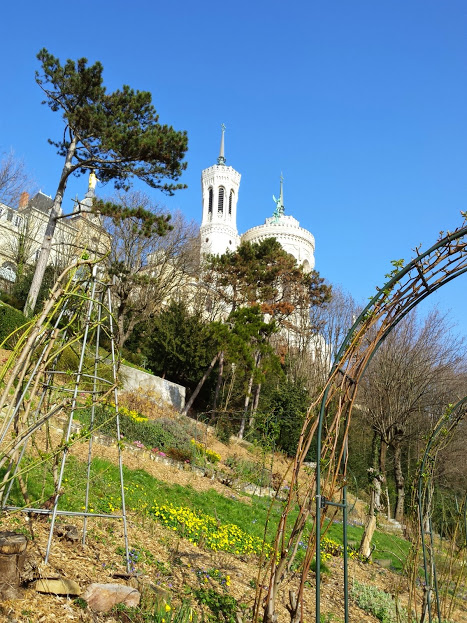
x,y
163,434
322,567
23,284
283,408
249,336
180,345
224,428
223,606
11,300
249,471
117,134
10,319
161,612
263,273
378,603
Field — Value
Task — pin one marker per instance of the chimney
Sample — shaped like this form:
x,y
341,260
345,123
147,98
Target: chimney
x,y
23,200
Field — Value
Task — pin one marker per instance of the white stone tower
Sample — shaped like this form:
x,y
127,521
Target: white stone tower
x,y
220,185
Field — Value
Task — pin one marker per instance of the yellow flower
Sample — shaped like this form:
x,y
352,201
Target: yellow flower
x,y
167,608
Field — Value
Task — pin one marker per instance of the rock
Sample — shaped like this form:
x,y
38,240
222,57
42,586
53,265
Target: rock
x,y
383,562
102,597
161,594
68,531
57,587
12,555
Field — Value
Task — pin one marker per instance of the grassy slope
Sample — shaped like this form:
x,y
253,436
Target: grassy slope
x,y
142,490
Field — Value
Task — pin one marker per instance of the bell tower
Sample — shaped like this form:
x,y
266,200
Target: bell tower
x,y
219,185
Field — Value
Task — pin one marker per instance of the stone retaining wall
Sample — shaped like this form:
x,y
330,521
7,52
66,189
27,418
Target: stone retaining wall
x,y
170,393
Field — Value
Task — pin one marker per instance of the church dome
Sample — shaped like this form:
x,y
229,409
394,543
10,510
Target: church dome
x,y
294,239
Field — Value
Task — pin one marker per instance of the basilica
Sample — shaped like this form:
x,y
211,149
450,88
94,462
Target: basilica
x,y
220,186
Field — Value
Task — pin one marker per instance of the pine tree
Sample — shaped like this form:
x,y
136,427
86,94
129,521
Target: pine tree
x,y
117,135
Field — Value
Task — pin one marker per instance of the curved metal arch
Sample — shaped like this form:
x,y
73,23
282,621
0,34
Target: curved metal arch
x,y
382,303
406,288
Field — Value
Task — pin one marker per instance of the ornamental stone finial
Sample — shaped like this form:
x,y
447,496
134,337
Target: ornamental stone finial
x,y
221,159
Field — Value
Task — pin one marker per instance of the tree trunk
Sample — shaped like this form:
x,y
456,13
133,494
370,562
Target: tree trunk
x,y
193,396
370,527
12,556
49,233
254,406
375,498
383,450
241,432
218,386
399,479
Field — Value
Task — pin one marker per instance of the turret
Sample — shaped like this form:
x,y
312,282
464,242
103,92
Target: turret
x,y
220,185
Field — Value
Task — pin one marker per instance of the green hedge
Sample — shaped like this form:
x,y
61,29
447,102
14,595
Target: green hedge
x,y
10,319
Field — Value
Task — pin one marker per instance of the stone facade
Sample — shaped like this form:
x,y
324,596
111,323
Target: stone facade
x,y
22,231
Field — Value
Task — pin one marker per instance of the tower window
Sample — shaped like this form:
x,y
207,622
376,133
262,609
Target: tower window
x,y
220,204
210,201
231,202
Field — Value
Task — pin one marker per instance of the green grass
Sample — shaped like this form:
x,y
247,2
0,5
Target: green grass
x,y
142,489
388,546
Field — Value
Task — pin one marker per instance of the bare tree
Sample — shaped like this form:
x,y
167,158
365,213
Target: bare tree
x,y
14,179
415,373
148,270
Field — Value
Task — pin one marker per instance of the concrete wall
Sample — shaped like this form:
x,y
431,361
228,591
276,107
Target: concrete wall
x,y
170,393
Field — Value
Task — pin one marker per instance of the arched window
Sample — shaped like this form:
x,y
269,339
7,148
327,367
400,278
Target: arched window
x,y
211,199
220,203
231,198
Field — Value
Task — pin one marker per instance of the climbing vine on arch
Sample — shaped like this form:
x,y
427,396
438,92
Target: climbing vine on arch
x,y
328,418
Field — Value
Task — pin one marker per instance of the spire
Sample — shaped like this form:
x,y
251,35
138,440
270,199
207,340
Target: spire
x,y
221,159
279,211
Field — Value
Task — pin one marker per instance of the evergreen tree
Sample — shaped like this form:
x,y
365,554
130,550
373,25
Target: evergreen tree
x,y
115,134
180,345
263,273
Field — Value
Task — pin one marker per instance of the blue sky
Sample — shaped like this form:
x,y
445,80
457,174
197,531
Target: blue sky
x,y
362,106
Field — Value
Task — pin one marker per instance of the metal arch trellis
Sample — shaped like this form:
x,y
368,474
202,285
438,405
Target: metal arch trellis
x,y
331,413
36,389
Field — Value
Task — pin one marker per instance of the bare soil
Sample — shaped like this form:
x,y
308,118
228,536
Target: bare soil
x,y
170,565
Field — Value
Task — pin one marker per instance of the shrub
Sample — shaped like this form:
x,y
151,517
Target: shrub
x,y
378,603
163,433
224,607
180,454
205,454
224,429
249,471
10,319
68,360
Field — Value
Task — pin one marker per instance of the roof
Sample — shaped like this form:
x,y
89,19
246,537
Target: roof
x,y
41,202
